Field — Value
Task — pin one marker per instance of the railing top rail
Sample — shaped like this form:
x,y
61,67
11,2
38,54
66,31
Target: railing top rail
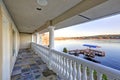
x,y
45,47
95,66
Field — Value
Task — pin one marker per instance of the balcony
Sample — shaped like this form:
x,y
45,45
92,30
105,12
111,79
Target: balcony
x,y
70,67
23,21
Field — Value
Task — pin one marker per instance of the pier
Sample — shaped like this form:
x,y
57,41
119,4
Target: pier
x,y
87,52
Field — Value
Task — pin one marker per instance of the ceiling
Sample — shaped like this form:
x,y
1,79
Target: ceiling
x,y
28,18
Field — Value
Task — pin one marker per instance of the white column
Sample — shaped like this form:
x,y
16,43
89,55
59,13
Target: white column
x,y
32,37
51,37
38,38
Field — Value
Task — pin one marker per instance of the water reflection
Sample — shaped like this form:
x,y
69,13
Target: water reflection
x,y
91,59
111,48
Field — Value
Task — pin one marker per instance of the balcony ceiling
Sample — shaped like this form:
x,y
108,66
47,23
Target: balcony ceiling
x,y
28,18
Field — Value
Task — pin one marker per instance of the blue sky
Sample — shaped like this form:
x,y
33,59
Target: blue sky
x,y
108,25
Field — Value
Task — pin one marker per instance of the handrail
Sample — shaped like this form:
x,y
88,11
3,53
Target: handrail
x,y
73,68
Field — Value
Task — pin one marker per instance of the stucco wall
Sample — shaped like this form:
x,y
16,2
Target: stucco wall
x,y
9,43
0,44
25,40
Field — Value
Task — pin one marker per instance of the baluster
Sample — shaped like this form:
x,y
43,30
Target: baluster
x,y
47,58
54,61
51,61
79,72
91,74
111,78
63,64
70,70
84,75
66,65
61,69
67,69
59,64
74,71
54,67
99,76
64,69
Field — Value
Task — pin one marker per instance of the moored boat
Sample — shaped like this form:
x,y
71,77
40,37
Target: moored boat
x,y
89,52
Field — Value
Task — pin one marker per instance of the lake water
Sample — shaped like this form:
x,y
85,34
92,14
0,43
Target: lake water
x,y
111,48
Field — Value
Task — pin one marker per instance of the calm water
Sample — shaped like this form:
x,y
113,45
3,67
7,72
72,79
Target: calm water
x,y
111,48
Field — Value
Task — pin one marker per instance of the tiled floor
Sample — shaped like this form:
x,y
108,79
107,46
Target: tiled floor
x,y
29,66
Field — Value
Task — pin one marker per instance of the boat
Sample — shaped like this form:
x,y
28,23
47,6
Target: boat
x,y
90,52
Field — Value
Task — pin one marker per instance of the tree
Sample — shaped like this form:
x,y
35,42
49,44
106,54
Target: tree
x,y
65,50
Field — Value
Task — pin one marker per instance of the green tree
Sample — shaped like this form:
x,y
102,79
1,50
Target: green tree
x,y
65,50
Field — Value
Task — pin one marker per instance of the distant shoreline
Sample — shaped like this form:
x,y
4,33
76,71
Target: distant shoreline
x,y
99,37
85,39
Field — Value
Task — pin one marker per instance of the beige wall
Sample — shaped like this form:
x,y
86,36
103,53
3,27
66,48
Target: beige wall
x,y
25,40
9,43
0,44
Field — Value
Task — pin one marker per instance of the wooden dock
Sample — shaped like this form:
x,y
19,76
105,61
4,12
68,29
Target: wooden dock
x,y
87,52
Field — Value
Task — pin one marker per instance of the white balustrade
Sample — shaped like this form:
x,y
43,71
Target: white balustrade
x,y
70,67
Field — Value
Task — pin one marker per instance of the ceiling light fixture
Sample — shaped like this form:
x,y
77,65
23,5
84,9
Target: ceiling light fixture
x,y
42,2
39,9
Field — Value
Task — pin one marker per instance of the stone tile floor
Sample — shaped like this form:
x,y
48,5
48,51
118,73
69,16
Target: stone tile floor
x,y
29,66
